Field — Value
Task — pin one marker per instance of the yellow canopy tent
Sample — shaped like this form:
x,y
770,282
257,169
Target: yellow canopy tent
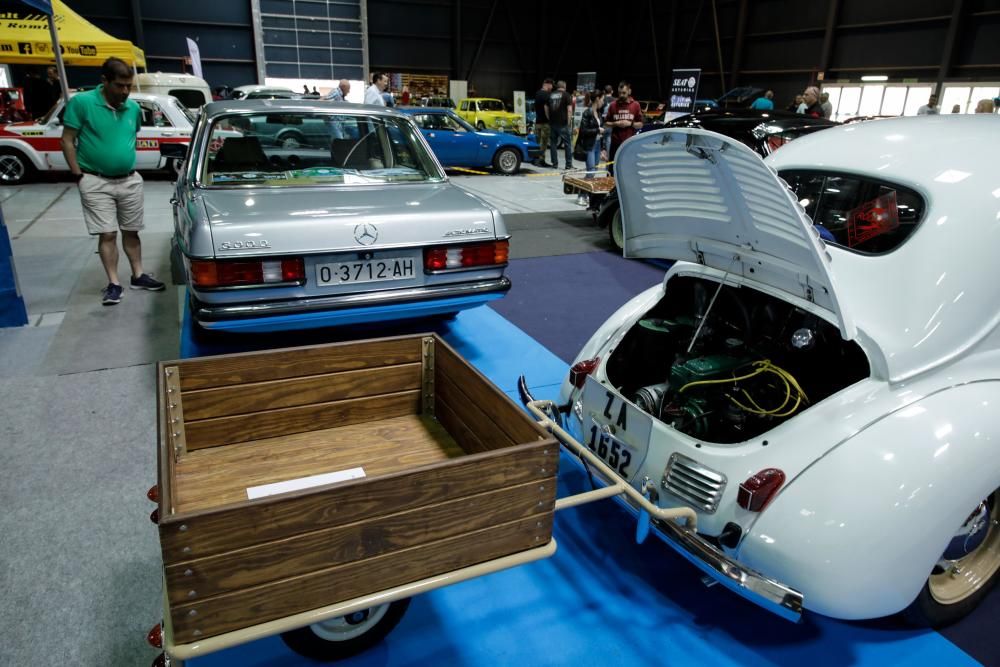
x,y
25,40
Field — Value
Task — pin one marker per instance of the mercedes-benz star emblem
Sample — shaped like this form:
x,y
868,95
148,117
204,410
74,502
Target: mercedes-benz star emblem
x,y
366,234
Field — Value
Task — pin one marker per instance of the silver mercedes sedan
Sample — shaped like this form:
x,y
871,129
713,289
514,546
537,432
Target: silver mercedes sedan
x,y
292,214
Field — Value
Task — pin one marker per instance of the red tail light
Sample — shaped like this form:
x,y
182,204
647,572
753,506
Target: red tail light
x,y
210,273
155,636
469,256
758,490
580,370
154,493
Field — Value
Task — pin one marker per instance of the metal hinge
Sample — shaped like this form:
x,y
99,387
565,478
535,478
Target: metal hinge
x,y
175,412
427,375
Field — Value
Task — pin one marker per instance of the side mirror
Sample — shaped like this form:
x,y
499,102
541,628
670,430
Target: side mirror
x,y
174,151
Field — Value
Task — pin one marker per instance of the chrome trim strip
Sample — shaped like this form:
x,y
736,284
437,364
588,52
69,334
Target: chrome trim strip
x,y
756,587
209,313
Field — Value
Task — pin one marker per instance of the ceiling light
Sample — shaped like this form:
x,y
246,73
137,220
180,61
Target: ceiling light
x,y
875,77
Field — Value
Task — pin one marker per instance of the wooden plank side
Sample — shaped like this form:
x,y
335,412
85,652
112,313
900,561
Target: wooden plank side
x,y
463,435
225,573
472,417
219,476
278,599
194,535
293,392
478,390
229,369
283,421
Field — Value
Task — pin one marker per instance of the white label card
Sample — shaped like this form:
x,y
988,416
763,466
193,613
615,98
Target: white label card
x,y
264,490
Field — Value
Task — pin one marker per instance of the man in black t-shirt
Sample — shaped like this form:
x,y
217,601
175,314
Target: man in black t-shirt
x,y
542,120
558,114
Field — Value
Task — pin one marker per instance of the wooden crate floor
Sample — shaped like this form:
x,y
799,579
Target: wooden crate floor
x,y
218,476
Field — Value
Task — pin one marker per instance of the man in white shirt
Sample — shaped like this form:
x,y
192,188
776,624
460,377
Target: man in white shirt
x,y
373,95
339,94
929,109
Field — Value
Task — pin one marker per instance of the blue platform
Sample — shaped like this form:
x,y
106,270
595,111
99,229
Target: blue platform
x,y
602,599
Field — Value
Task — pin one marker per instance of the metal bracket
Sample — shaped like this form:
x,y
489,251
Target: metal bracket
x,y
427,375
175,411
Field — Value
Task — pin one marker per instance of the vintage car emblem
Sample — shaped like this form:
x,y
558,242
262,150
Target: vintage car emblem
x,y
366,234
467,232
240,245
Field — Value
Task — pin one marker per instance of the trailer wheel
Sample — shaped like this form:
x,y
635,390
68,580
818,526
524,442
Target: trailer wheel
x,y
344,636
615,231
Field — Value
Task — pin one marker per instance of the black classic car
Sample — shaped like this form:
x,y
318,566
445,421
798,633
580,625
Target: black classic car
x,y
762,131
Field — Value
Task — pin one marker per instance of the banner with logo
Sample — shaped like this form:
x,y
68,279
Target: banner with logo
x,y
586,81
519,109
684,90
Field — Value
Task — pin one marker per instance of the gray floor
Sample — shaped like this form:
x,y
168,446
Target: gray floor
x,y
79,563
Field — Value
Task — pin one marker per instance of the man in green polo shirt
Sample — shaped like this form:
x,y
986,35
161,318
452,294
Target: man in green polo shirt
x,y
98,140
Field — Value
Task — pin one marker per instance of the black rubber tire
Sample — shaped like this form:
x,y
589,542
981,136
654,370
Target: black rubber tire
x,y
926,612
25,172
307,643
296,140
507,161
615,227
173,168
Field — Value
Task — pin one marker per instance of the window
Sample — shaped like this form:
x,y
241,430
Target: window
x,y
893,101
859,214
191,98
917,98
313,149
871,100
955,96
850,96
465,105
981,93
153,116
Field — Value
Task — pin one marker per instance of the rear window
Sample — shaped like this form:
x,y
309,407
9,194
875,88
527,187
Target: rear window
x,y
192,99
307,149
860,214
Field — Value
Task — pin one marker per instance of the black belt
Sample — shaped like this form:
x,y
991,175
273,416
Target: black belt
x,y
110,178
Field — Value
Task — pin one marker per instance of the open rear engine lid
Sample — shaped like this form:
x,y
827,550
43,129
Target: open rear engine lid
x,y
688,194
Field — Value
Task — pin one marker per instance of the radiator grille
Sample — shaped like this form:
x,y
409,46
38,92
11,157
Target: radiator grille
x,y
693,483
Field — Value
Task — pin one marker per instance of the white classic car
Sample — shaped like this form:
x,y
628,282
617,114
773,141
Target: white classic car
x,y
818,376
33,146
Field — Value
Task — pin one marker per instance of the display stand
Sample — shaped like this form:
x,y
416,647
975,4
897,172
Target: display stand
x,y
12,310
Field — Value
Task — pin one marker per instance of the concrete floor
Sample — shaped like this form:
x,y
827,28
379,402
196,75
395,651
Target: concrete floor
x,y
77,419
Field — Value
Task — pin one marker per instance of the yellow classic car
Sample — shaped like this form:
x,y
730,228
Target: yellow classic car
x,y
488,114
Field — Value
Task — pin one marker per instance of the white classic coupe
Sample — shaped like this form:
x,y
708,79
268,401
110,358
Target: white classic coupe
x,y
818,375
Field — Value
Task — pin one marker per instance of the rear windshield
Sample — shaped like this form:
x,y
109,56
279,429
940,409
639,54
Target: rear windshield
x,y
192,99
861,214
308,148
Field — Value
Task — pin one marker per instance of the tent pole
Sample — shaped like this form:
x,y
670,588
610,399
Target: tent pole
x,y
60,67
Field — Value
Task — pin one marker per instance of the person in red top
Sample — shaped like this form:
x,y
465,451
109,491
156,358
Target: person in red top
x,y
624,118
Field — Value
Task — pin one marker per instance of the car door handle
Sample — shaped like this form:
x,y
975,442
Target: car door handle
x,y
166,134
430,134
174,201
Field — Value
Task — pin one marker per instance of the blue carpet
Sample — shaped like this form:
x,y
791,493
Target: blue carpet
x,y
602,599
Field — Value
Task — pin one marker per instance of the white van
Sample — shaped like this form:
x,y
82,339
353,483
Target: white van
x,y
192,91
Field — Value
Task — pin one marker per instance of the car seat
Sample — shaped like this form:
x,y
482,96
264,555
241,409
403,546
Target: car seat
x,y
364,153
240,154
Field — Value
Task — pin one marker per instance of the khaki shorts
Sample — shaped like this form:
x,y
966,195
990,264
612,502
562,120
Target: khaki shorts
x,y
110,204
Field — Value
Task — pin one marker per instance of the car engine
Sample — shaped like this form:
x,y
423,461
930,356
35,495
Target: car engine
x,y
728,364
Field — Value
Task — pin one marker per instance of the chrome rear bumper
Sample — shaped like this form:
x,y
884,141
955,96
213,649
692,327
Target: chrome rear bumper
x,y
215,313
